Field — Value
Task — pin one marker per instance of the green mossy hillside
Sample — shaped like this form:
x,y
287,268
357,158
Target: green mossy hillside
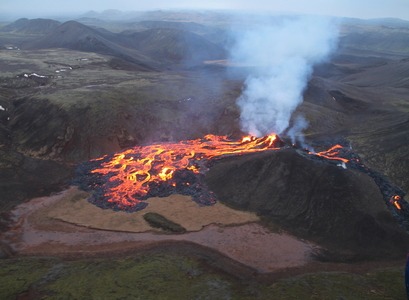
x,y
171,276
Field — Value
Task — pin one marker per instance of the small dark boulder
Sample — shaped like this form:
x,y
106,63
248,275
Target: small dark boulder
x,y
158,221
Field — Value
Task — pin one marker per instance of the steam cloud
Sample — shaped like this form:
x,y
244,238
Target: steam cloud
x,y
281,56
295,132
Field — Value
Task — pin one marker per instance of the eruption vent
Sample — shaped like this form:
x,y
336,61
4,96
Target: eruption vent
x,y
123,181
281,57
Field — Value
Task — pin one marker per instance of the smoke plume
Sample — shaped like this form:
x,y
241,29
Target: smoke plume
x,y
296,132
281,56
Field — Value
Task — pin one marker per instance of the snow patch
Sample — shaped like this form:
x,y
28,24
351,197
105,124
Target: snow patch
x,y
343,165
34,74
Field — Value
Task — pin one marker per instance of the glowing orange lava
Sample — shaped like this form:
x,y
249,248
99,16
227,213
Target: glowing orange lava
x,y
395,201
332,153
134,170
131,176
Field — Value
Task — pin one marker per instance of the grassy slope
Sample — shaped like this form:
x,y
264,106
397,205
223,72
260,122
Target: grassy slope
x,y
104,111
169,276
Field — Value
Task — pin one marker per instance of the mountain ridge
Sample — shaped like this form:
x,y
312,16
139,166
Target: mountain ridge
x,y
152,48
31,26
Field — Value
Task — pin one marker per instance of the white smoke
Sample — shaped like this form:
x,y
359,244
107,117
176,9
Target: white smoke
x,y
296,132
281,55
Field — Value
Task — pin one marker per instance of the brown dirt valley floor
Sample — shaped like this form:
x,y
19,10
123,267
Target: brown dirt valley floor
x,y
67,225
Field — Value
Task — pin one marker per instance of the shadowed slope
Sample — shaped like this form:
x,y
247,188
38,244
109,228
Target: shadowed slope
x,y
340,209
152,48
76,36
176,46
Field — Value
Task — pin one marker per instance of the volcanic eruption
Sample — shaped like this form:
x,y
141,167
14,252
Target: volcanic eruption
x,y
127,178
282,58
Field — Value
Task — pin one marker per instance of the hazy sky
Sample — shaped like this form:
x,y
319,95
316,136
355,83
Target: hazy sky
x,y
348,8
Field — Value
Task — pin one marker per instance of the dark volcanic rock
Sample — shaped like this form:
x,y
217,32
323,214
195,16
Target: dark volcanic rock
x,y
43,129
159,221
23,177
40,127
5,250
340,209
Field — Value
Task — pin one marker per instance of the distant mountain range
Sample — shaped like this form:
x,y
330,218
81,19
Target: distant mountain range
x,y
32,26
157,44
151,48
388,22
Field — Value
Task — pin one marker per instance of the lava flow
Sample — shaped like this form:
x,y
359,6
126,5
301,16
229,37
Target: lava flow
x,y
332,153
124,180
129,177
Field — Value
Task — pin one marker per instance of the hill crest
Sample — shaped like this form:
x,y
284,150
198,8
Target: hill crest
x,y
31,26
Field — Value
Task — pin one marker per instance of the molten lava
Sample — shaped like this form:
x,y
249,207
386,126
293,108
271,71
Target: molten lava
x,y
395,201
332,154
124,180
133,172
